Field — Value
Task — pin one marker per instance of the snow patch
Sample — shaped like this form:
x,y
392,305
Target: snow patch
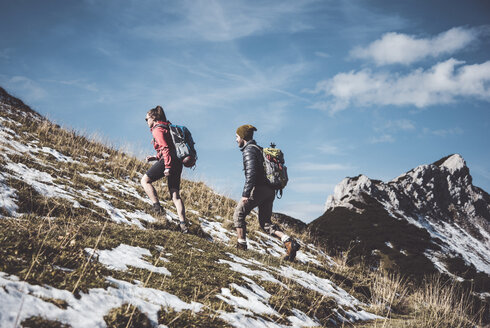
x,y
123,256
454,163
8,196
42,182
320,285
239,266
19,298
215,229
255,298
59,156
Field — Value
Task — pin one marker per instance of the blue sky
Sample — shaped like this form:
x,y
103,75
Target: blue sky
x,y
343,87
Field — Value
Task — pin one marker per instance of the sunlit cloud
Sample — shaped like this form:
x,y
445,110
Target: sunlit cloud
x,y
397,48
443,83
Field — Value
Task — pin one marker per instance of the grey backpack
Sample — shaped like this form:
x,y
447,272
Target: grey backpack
x,y
184,144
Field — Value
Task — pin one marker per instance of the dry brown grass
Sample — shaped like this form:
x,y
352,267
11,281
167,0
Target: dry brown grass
x,y
388,293
440,303
436,303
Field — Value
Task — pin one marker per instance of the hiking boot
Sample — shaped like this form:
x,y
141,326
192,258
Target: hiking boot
x,y
183,227
241,246
158,209
292,247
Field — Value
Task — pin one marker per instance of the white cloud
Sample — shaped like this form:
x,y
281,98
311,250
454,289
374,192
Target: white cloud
x,y
29,89
273,116
396,126
444,132
322,54
389,128
403,124
329,149
227,20
6,53
397,48
81,84
257,83
441,84
385,138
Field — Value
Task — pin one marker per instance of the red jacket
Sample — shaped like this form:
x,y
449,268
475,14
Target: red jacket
x,y
163,144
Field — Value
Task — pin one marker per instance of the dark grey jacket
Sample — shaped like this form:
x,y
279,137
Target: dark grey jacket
x,y
253,165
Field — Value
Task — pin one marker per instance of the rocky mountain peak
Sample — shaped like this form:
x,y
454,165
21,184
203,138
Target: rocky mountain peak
x,y
453,163
439,197
455,166
434,186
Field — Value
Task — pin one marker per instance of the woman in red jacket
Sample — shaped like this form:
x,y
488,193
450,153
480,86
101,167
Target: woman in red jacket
x,y
168,164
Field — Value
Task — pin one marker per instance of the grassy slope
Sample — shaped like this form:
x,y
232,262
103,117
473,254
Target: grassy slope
x,y
46,242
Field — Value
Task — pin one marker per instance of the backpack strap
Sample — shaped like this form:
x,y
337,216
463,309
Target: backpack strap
x,y
261,151
259,148
279,192
162,126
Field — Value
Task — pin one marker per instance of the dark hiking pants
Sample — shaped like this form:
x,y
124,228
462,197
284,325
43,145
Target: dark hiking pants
x,y
263,198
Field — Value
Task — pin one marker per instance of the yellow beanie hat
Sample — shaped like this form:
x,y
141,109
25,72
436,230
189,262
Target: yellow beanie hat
x,y
246,131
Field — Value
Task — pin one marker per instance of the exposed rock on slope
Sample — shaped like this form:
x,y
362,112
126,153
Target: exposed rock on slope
x,y
431,217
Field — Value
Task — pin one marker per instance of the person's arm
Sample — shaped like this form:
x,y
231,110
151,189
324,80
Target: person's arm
x,y
163,149
250,167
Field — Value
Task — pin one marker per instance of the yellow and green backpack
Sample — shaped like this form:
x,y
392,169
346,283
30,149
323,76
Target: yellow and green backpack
x,y
276,172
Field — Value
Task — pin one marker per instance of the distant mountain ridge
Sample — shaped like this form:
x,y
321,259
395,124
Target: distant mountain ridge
x,y
448,215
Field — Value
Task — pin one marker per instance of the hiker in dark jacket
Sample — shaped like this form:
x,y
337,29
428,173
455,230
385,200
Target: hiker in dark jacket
x,y
257,193
168,164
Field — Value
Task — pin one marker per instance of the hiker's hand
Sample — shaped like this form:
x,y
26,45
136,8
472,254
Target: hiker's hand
x,y
151,158
166,172
244,200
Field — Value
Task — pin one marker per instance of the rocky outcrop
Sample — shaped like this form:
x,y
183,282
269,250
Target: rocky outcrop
x,y
439,198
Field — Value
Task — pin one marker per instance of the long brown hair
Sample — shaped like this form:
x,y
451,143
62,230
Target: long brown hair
x,y
157,114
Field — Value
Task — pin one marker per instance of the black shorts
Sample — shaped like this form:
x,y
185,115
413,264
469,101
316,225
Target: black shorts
x,y
157,172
